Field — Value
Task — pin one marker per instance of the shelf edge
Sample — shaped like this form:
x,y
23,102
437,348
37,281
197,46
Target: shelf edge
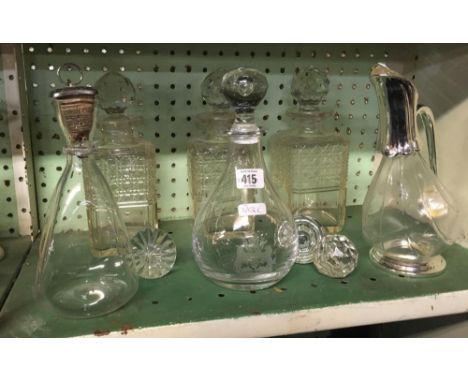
x,y
311,320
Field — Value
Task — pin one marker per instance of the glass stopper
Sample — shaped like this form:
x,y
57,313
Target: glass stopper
x,y
211,89
244,88
310,233
115,92
309,86
338,257
153,253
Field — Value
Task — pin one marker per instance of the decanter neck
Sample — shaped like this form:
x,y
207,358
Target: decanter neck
x,y
116,128
307,121
214,124
247,118
244,130
397,99
245,144
246,154
78,152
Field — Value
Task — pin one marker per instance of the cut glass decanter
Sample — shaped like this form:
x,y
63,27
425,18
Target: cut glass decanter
x,y
129,165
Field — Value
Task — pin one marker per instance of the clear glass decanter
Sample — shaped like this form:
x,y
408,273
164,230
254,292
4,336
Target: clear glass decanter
x,y
207,148
129,166
309,159
244,236
84,266
408,216
127,162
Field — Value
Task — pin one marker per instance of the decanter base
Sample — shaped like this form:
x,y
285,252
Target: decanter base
x,y
84,298
395,263
256,282
244,287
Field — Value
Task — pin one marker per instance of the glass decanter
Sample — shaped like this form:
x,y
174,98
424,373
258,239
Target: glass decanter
x,y
408,216
84,266
244,236
127,162
309,159
207,148
129,165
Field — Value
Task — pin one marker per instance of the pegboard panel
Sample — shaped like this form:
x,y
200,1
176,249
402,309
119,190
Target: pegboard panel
x,y
167,79
8,202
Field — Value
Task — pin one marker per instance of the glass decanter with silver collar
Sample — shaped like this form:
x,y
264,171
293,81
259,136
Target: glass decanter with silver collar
x,y
85,261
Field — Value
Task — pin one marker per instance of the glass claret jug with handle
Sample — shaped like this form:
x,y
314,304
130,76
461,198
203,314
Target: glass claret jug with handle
x,y
408,216
244,236
84,266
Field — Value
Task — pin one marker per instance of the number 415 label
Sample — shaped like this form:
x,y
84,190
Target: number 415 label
x,y
249,178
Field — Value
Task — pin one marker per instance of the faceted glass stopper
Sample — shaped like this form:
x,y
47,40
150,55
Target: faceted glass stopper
x,y
115,92
338,257
153,253
309,86
211,89
244,88
310,234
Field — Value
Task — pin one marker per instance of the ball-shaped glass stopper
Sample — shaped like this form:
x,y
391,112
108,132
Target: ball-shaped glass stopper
x,y
115,92
244,88
309,86
211,89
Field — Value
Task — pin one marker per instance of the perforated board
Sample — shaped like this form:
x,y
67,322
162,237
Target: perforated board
x,y
168,78
8,209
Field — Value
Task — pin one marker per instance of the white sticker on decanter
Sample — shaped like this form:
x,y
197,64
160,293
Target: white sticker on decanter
x,y
249,178
251,209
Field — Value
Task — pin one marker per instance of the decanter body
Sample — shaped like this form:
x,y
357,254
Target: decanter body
x,y
129,166
244,236
309,159
315,171
408,216
127,162
84,266
208,146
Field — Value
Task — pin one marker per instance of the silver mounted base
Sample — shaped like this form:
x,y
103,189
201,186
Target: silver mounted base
x,y
431,266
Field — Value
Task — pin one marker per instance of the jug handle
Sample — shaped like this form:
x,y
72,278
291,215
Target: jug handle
x,y
425,120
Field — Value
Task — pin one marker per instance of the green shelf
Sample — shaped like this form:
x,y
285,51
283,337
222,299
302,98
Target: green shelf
x,y
15,251
185,303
